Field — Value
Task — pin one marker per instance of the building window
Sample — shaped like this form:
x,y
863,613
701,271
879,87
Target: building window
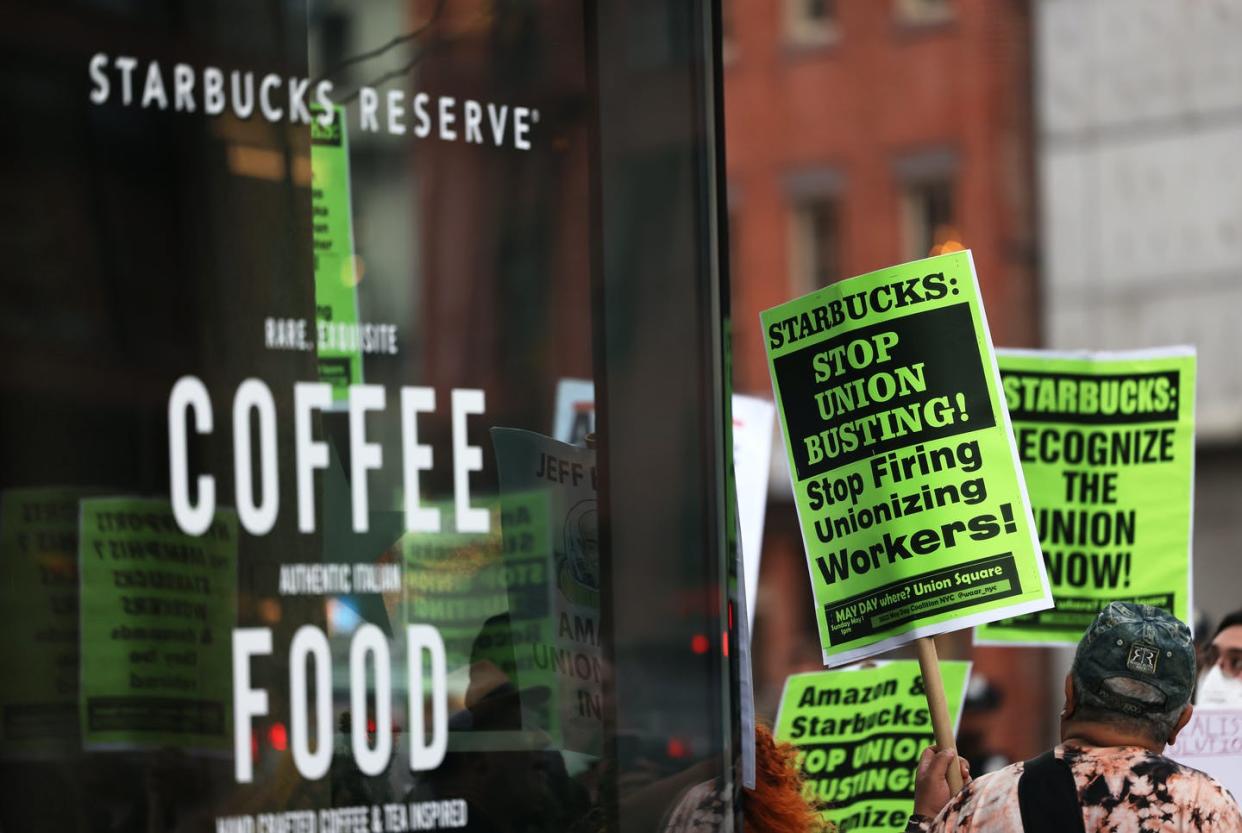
x,y
811,22
815,245
929,219
924,11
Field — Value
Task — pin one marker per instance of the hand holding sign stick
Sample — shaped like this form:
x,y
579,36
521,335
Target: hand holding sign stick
x,y
933,688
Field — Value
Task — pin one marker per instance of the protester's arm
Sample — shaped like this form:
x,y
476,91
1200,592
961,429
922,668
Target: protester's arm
x,y
931,787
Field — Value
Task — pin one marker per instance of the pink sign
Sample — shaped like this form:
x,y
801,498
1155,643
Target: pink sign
x,y
1212,742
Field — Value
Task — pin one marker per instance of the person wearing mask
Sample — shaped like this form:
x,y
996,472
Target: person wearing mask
x,y
1127,695
1221,686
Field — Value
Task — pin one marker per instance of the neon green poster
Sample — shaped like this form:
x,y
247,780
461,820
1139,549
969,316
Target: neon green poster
x,y
157,611
859,733
1107,444
39,607
462,581
914,515
336,278
454,581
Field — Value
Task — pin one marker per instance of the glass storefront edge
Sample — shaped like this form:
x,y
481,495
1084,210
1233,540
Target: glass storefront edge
x,y
364,427
661,144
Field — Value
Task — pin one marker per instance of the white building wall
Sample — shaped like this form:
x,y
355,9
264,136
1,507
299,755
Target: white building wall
x,y
1139,114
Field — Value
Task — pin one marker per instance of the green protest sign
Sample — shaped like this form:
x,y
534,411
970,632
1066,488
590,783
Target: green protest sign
x,y
859,733
487,594
454,580
473,586
39,607
157,610
1107,448
905,477
336,279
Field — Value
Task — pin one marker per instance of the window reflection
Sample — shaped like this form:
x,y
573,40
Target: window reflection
x,y
282,543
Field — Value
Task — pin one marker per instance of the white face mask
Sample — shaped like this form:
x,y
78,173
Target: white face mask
x,y
1219,690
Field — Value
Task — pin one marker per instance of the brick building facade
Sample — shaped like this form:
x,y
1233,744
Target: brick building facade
x,y
863,133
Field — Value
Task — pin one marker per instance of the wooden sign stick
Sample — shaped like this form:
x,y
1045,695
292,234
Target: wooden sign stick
x,y
933,688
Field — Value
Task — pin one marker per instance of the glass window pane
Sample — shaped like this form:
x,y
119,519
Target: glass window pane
x,y
350,354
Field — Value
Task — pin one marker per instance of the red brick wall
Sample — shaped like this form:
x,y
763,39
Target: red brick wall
x,y
882,90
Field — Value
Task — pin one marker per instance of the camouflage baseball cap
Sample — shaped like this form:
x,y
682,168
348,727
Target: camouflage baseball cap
x,y
1137,642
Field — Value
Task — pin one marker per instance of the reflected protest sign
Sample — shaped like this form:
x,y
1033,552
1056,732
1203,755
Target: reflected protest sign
x,y
859,733
486,594
1212,742
905,477
1107,448
157,610
336,279
753,419
550,519
39,609
454,580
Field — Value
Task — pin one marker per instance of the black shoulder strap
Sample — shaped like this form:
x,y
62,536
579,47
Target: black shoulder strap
x,y
1048,797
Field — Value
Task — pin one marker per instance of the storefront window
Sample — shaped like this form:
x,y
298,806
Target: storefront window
x,y
290,535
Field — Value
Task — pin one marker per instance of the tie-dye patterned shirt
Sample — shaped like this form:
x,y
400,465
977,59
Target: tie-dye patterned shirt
x,y
1123,789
